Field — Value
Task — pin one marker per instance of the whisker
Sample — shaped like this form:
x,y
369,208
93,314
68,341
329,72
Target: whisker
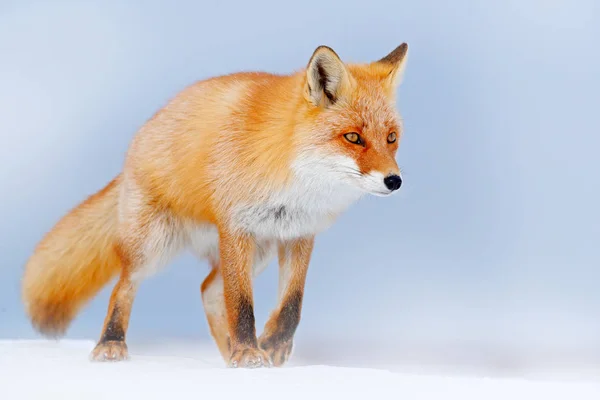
x,y
348,170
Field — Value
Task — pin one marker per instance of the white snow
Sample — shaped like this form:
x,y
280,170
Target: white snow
x,y
32,369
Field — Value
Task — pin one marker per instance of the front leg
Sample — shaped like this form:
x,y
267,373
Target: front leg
x,y
278,336
236,251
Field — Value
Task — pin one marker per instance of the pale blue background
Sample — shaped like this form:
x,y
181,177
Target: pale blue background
x,y
492,240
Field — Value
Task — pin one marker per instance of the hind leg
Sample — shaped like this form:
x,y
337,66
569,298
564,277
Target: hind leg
x,y
112,346
214,308
148,240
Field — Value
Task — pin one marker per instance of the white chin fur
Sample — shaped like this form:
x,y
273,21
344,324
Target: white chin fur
x,y
381,194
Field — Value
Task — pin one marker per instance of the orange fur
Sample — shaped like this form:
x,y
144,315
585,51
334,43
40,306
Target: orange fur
x,y
234,167
217,321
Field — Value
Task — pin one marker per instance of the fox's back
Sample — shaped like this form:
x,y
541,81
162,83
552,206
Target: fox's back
x,y
217,130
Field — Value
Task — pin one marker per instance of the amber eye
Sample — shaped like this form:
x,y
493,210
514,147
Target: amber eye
x,y
353,137
391,137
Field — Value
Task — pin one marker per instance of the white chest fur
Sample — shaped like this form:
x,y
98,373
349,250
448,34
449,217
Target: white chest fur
x,y
203,240
309,205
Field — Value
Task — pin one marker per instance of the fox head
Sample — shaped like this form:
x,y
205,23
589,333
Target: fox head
x,y
350,119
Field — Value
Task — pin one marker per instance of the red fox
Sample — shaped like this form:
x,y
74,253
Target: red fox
x,y
240,169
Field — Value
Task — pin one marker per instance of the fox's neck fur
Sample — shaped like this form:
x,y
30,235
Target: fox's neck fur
x,y
295,188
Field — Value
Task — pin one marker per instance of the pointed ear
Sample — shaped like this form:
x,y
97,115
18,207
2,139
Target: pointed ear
x,y
326,77
396,60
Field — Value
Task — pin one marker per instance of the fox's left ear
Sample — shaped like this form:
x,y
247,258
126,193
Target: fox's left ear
x,y
396,60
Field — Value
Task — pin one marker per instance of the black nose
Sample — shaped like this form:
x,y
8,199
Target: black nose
x,y
393,182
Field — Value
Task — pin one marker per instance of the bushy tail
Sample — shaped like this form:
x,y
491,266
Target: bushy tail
x,y
72,262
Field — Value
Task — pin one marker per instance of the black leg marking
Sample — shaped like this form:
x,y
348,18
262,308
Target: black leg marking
x,y
245,330
287,321
114,331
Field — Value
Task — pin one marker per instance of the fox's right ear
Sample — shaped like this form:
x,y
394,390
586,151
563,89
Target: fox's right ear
x,y
326,77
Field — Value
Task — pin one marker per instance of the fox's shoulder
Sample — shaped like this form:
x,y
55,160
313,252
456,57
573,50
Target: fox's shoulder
x,y
246,93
